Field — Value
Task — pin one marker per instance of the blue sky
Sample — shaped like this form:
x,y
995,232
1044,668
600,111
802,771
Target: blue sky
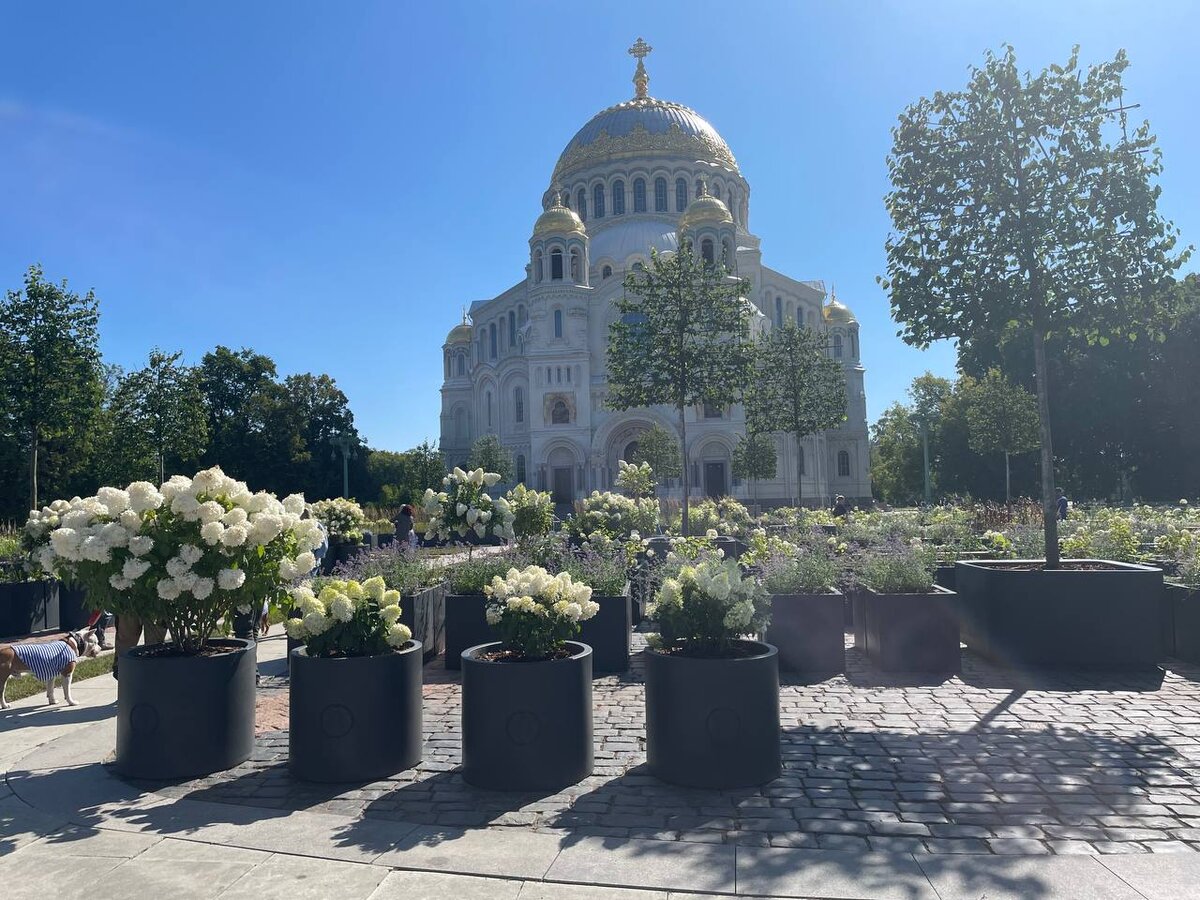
x,y
329,183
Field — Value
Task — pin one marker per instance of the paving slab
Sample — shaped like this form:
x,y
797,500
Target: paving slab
x,y
168,849
507,852
402,885
313,834
1024,878
534,890
92,843
662,865
1173,876
284,877
21,824
157,878
818,873
36,876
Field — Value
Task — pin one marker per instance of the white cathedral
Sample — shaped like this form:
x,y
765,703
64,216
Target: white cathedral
x,y
529,364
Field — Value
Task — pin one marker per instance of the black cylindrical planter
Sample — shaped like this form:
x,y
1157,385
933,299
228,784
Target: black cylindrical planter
x,y
713,723
355,718
527,725
185,716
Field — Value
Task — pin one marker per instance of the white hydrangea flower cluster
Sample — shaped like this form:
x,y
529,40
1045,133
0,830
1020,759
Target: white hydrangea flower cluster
x,y
534,591
341,517
190,539
710,601
614,516
463,507
635,480
369,610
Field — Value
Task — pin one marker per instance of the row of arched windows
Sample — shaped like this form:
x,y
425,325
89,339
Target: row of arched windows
x,y
556,265
498,337
613,197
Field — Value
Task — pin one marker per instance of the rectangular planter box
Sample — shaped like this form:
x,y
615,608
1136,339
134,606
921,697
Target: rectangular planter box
x,y
73,608
28,607
466,626
858,618
1183,604
912,632
425,615
808,630
608,633
1063,617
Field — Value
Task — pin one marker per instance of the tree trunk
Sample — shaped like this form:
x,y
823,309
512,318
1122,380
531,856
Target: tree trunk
x,y
799,470
1049,512
33,473
1007,482
686,479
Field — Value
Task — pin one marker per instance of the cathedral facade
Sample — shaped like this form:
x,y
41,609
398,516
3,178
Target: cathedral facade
x,y
529,365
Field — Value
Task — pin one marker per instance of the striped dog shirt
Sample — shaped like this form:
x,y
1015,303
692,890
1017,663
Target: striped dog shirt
x,y
45,660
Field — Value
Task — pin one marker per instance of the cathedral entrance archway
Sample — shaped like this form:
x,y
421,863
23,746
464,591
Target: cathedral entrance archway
x,y
714,480
561,484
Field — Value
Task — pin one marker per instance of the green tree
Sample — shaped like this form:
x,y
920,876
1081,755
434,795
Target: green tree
x,y
797,388
403,477
489,454
658,447
683,338
896,456
161,408
1002,418
929,395
1024,201
754,458
50,375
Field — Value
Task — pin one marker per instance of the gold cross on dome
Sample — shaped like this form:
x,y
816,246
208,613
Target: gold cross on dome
x,y
641,81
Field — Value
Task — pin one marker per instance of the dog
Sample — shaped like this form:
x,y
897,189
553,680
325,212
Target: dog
x,y
46,661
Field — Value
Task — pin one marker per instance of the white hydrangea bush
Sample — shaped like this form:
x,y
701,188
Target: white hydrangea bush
x,y
464,507
635,480
706,608
535,612
614,516
347,618
342,518
185,554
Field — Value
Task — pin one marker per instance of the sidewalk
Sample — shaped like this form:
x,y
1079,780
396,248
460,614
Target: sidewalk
x,y
69,828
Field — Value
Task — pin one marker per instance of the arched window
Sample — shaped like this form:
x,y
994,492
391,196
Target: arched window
x,y
715,190
520,468
706,251
639,195
799,316
581,204
538,274
606,272
512,328
568,374
492,340
660,194
482,340
462,364
699,185
598,201
489,409
853,345
519,404
730,204
618,198
837,346
558,323
522,316
778,312
680,194
576,277
727,254
812,319
447,363
631,450
559,413
556,264
843,464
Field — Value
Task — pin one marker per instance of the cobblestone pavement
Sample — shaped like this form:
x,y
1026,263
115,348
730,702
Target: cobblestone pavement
x,y
991,761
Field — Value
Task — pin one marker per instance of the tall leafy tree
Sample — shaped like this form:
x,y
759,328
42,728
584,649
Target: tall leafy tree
x,y
796,389
1002,418
896,456
161,407
50,374
660,448
1024,201
755,458
489,454
682,339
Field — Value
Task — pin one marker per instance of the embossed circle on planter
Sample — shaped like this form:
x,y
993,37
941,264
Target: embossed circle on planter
x,y
523,727
336,720
724,725
143,719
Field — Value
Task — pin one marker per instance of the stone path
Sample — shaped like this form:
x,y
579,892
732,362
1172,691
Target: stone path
x,y
988,784
983,763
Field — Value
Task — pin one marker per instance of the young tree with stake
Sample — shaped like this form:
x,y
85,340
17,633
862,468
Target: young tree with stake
x,y
1002,418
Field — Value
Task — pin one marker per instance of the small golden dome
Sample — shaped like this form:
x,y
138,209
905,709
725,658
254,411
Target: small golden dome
x,y
558,220
704,210
838,313
462,332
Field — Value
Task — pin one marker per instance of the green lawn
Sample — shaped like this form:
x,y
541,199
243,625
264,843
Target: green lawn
x,y
27,686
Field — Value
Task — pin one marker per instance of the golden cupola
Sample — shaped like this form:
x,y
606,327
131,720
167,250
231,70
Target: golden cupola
x,y
461,333
558,220
704,210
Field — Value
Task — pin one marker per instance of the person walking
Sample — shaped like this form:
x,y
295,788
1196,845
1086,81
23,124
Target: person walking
x,y
1062,505
840,508
404,526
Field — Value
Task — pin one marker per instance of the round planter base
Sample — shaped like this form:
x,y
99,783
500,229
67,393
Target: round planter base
x,y
713,723
354,718
527,725
185,716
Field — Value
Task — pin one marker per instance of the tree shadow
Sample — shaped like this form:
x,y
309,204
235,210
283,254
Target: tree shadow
x,y
59,714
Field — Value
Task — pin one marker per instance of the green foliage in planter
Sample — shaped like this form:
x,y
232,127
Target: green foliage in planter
x,y
471,576
396,564
807,573
898,570
533,512
704,608
348,618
